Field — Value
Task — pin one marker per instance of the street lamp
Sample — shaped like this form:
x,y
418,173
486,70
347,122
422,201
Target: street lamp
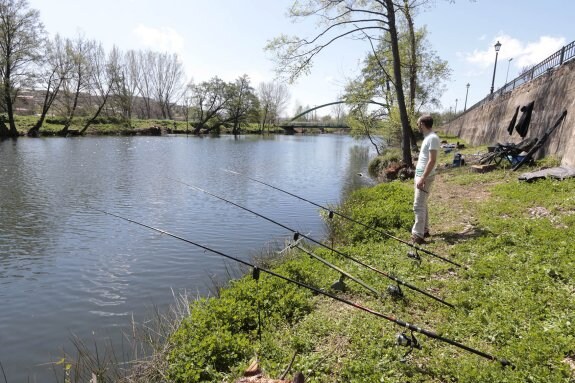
x,y
466,93
508,63
455,106
497,48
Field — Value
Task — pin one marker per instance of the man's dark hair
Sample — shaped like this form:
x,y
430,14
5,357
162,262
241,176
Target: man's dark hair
x,y
427,120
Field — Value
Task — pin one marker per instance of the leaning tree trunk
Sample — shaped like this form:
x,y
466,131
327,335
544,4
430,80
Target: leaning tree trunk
x,y
91,120
68,122
405,147
49,98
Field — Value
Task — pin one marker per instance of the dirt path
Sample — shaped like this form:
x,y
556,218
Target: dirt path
x,y
453,217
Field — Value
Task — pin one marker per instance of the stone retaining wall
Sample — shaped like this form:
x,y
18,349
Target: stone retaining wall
x,y
552,92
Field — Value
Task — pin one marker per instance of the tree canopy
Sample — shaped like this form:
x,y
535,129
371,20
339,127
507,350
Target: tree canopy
x,y
364,20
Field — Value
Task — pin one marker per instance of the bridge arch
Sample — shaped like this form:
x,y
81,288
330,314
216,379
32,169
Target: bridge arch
x,y
333,103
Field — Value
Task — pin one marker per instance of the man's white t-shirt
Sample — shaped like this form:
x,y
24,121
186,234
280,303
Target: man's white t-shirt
x,y
430,142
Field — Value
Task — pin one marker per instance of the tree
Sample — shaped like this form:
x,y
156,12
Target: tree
x,y
167,80
338,112
21,39
101,80
78,80
125,72
208,101
369,111
273,100
243,105
420,65
52,73
361,19
145,69
364,123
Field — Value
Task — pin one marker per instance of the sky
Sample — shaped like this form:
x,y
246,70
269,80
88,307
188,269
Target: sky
x,y
226,38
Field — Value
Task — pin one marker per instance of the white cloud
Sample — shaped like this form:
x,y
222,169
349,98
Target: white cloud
x,y
540,50
524,54
163,39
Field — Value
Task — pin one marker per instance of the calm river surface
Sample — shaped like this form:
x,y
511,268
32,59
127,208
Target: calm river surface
x,y
66,269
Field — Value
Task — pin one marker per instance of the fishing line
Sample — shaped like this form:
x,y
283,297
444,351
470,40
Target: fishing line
x,y
407,325
298,234
342,272
331,213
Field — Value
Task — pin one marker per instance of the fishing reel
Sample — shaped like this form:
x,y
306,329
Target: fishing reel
x,y
395,291
340,284
256,273
407,341
415,256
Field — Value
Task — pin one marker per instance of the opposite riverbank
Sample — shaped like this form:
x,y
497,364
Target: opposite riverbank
x,y
104,126
513,299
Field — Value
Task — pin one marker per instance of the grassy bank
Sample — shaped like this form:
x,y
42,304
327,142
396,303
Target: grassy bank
x,y
114,126
515,300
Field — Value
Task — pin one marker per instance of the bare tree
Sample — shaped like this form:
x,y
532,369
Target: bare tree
x,y
145,65
125,73
167,81
338,112
101,80
187,104
273,100
21,39
361,19
79,79
52,73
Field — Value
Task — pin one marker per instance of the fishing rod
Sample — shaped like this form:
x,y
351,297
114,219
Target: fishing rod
x,y
339,284
402,339
298,234
394,291
331,213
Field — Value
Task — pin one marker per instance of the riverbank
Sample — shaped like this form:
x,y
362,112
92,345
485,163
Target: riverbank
x,y
115,127
513,299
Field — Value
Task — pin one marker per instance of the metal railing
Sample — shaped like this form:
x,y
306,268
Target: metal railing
x,y
556,59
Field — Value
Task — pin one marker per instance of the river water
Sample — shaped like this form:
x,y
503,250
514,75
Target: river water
x,y
68,270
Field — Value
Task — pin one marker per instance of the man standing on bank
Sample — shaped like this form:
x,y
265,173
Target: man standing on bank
x,y
424,177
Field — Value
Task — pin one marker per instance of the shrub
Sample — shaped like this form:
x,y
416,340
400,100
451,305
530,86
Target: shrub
x,y
378,165
222,332
386,206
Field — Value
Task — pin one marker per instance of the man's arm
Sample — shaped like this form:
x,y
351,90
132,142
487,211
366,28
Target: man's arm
x,y
428,168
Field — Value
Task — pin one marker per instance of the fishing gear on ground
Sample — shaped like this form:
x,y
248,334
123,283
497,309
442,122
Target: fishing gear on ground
x,y
408,326
339,285
394,290
331,214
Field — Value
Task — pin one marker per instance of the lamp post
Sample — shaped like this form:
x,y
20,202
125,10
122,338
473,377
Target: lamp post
x,y
455,106
508,63
466,93
497,47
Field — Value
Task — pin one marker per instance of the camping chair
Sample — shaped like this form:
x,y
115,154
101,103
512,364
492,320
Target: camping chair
x,y
511,153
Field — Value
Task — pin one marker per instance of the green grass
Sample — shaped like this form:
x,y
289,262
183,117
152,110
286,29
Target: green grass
x,y
113,126
516,299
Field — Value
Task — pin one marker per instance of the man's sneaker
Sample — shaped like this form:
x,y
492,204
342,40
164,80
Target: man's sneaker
x,y
426,234
418,240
